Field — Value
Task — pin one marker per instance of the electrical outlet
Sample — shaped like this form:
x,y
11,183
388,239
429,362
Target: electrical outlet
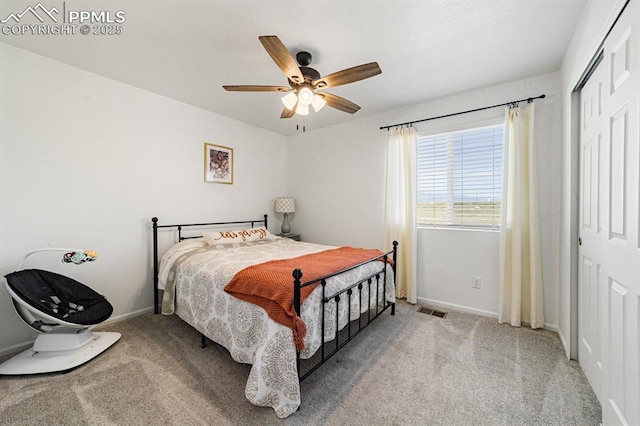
x,y
476,282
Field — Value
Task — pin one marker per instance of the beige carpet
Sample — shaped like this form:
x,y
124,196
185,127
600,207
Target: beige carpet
x,y
409,369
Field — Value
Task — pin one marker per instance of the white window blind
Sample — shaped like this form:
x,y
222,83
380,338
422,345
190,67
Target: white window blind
x,y
460,178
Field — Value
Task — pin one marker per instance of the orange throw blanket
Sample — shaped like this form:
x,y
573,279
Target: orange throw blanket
x,y
270,284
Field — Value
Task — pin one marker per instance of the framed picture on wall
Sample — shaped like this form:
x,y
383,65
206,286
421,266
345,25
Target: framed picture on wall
x,y
218,164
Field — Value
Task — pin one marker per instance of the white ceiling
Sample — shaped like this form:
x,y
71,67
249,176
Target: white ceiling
x,y
186,50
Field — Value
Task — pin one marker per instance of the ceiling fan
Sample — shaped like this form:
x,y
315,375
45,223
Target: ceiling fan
x,y
305,82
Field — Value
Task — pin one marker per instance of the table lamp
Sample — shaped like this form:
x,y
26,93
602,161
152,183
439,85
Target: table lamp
x,y
285,205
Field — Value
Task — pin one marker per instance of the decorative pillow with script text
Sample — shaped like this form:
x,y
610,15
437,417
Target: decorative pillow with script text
x,y
238,236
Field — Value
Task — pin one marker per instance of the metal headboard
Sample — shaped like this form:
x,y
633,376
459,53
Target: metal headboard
x,y
180,227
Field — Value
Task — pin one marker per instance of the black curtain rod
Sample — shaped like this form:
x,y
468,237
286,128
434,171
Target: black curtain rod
x,y
409,123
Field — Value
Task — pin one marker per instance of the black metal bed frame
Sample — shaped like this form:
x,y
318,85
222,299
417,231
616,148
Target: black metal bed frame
x,y
363,320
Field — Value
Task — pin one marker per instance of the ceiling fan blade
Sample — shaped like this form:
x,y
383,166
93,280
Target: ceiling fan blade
x,y
288,113
282,58
337,102
248,88
348,75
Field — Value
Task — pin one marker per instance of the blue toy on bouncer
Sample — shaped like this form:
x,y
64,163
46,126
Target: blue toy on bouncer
x,y
63,311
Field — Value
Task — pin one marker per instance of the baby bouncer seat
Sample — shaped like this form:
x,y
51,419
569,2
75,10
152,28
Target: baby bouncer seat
x,y
63,311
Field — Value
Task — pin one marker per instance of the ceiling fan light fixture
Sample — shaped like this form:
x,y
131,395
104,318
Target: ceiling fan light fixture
x,y
289,101
318,102
305,96
304,81
302,109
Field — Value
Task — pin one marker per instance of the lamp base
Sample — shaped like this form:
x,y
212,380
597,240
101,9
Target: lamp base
x,y
286,228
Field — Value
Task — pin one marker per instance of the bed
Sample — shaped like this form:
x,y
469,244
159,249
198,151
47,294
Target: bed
x,y
195,276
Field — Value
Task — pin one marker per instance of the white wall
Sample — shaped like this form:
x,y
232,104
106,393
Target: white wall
x,y
598,16
86,162
448,261
337,177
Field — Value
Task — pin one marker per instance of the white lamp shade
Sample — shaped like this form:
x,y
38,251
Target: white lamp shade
x,y
302,109
305,96
285,205
318,103
290,100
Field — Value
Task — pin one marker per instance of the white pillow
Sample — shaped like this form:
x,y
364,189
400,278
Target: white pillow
x,y
238,236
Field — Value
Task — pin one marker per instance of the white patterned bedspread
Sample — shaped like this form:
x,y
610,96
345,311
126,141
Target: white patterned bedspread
x,y
246,330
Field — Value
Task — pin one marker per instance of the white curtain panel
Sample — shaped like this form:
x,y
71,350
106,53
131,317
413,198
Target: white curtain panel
x,y
400,207
521,287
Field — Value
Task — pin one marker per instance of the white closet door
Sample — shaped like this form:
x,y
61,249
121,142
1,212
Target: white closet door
x,y
590,289
609,265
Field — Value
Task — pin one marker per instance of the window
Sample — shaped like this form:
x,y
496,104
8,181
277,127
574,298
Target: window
x,y
460,178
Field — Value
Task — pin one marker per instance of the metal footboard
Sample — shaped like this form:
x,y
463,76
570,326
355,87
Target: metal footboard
x,y
353,327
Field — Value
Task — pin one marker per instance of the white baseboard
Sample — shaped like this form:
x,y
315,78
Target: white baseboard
x,y
563,340
19,347
126,316
461,308
454,307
